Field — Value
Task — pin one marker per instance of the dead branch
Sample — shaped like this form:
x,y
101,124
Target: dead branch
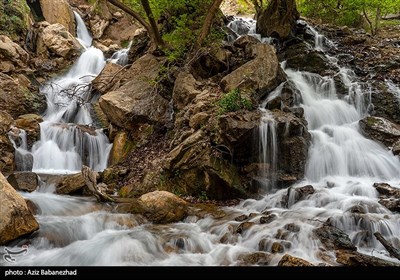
x,y
90,177
392,251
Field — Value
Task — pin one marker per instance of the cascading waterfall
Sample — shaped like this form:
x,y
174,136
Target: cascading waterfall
x,y
67,138
342,166
121,57
394,89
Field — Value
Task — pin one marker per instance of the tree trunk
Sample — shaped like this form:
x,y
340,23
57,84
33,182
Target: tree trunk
x,y
141,20
153,24
371,26
378,20
208,22
392,251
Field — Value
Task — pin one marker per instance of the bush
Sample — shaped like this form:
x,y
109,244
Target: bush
x,y
233,101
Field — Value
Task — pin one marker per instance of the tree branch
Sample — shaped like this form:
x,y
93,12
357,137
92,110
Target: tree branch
x,y
392,251
208,22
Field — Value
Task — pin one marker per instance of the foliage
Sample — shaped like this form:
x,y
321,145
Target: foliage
x,y
234,101
349,12
13,16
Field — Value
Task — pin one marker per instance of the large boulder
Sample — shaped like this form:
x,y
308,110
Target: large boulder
x,y
163,207
184,90
237,131
17,99
381,130
259,76
288,260
70,184
24,181
58,12
278,19
6,147
107,77
137,102
59,41
12,56
16,218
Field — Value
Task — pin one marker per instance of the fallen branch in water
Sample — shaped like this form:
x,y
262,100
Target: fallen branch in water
x,y
392,251
90,177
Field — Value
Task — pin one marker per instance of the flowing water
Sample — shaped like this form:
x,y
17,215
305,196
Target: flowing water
x,y
342,166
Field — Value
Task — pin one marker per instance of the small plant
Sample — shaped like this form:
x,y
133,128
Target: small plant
x,y
203,196
234,101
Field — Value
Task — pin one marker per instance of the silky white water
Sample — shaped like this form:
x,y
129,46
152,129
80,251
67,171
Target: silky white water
x,y
342,166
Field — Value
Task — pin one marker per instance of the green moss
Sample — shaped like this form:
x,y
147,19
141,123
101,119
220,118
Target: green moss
x,y
14,19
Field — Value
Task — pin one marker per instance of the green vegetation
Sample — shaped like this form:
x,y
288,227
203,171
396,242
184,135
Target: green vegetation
x,y
13,18
234,101
356,13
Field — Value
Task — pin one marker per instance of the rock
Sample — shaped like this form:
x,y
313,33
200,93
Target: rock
x,y
198,120
30,123
353,258
17,99
381,130
295,195
6,120
12,56
268,219
237,132
391,204
107,78
58,12
194,160
162,207
244,227
258,76
136,101
241,218
6,147
288,260
387,190
70,184
140,44
97,26
277,248
257,258
184,90
396,148
24,181
245,42
292,227
333,238
59,41
278,19
121,147
16,219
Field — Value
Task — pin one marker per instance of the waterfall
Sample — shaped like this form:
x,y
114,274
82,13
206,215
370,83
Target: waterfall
x,y
121,56
67,136
394,89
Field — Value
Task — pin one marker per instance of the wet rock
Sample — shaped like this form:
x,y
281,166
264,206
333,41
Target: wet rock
x,y
288,260
257,258
70,184
258,76
163,207
16,219
385,189
237,132
244,227
58,12
292,227
136,102
396,148
381,130
353,258
122,145
391,204
30,123
282,234
241,218
295,195
185,90
268,219
277,248
278,19
333,238
6,147
32,207
24,181
245,42
140,44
